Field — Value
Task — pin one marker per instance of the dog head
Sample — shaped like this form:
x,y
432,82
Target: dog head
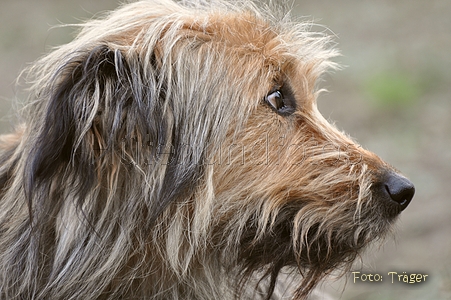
x,y
192,133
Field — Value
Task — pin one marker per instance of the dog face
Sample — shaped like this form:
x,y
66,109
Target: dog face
x,y
302,192
191,136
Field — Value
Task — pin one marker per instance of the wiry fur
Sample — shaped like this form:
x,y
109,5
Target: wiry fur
x,y
149,166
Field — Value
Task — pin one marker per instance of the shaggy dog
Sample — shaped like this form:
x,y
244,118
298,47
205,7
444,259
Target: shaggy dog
x,y
175,151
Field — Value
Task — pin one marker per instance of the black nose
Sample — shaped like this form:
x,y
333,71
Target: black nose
x,y
400,189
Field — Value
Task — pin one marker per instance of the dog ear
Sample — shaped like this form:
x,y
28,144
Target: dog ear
x,y
101,101
64,115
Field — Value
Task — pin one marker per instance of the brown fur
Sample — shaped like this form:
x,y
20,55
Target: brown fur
x,y
151,164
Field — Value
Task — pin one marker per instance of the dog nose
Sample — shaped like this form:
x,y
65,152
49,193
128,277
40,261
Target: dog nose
x,y
400,189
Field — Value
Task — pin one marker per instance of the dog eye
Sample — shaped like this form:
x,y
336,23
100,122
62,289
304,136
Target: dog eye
x,y
278,102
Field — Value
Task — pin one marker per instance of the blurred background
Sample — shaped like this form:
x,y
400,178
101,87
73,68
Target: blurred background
x,y
393,96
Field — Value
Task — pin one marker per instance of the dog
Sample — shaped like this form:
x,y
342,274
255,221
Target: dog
x,y
175,151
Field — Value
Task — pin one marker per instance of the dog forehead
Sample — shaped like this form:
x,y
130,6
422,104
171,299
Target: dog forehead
x,y
244,33
241,29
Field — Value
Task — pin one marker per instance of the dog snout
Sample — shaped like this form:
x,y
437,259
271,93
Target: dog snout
x,y
399,189
393,192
